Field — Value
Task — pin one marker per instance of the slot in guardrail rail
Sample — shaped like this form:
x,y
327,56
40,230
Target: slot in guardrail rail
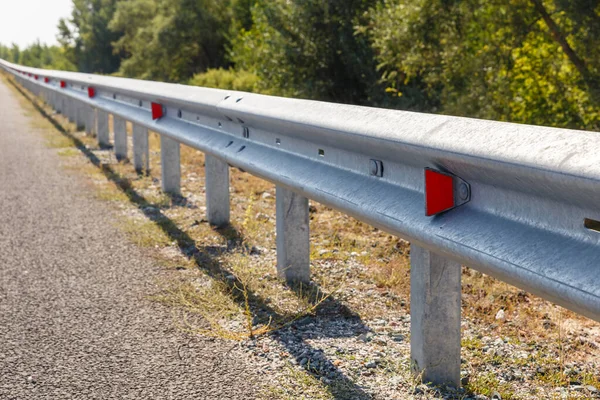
x,y
518,202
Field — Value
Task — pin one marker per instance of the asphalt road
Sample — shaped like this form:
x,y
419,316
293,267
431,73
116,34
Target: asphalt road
x,y
75,321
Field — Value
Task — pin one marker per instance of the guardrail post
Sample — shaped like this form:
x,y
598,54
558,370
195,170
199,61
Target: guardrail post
x,y
70,110
293,239
67,108
141,161
90,118
57,103
64,106
120,131
170,165
435,317
52,100
74,104
102,128
80,115
217,190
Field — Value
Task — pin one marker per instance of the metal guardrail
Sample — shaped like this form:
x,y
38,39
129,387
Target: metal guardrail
x,y
518,202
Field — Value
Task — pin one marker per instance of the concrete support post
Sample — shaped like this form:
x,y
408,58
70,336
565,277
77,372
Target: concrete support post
x,y
293,239
80,115
71,110
64,106
120,131
435,317
94,121
141,161
170,165
75,113
102,129
58,103
90,119
217,190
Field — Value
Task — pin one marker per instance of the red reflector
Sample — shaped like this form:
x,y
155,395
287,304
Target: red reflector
x,y
46,80
36,77
91,92
157,111
439,192
63,84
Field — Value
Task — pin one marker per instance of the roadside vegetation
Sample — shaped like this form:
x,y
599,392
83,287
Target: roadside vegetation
x,y
526,61
346,336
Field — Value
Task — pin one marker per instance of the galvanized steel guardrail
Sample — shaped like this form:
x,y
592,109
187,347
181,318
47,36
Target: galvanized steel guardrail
x,y
518,202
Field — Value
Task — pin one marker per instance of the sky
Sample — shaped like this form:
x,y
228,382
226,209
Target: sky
x,y
25,21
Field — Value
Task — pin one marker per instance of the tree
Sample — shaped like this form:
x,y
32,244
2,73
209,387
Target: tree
x,y
37,55
86,38
171,40
6,53
489,59
308,49
590,77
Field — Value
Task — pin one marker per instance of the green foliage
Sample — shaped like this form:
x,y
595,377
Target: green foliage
x,y
528,61
241,15
38,55
487,59
226,79
170,40
308,49
86,38
10,53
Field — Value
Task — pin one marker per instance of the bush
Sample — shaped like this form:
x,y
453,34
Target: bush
x,y
226,79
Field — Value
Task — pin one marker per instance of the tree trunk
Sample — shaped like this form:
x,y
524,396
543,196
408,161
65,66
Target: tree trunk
x,y
557,35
